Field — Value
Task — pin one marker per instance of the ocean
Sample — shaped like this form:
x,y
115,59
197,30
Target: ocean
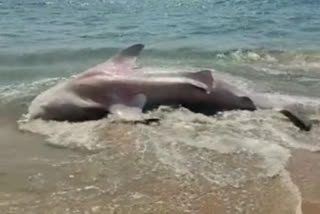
x,y
235,162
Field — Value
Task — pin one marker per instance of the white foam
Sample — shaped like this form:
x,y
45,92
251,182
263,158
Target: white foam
x,y
310,105
295,194
83,135
229,149
242,145
225,136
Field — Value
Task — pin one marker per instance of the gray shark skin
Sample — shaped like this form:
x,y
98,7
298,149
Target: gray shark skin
x,y
116,87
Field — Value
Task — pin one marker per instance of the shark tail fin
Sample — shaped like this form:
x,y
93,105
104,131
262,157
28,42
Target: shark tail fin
x,y
297,118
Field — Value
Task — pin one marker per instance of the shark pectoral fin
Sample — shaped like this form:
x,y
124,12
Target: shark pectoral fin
x,y
126,113
297,118
138,101
130,110
128,107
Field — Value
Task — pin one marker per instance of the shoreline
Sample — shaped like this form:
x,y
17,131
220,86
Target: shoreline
x,y
303,166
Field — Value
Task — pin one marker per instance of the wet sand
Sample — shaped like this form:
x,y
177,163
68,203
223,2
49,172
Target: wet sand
x,y
37,178
52,180
304,167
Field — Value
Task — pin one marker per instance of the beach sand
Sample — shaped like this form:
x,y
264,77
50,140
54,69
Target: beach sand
x,y
304,167
37,178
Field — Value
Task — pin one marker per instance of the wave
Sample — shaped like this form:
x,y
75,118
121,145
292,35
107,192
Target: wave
x,y
263,150
239,158
24,92
306,57
53,56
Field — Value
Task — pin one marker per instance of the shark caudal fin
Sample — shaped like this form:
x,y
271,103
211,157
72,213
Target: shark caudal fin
x,y
298,119
121,63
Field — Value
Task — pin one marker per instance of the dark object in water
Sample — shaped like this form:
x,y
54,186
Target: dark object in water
x,y
299,120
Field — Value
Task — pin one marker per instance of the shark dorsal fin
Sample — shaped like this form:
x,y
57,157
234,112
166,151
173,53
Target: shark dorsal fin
x,y
119,64
129,53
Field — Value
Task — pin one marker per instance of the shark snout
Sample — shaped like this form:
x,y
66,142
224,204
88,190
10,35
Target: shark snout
x,y
247,104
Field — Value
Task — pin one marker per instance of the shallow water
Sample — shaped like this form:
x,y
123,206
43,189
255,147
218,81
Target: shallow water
x,y
143,169
236,162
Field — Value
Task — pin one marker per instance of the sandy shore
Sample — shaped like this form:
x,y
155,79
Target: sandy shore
x,y
36,177
304,167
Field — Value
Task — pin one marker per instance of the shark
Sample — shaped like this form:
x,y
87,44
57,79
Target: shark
x,y
116,87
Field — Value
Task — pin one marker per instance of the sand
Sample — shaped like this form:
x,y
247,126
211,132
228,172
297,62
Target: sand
x,y
304,167
37,178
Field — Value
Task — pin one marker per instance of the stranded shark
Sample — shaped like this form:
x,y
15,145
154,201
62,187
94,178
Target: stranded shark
x,y
115,87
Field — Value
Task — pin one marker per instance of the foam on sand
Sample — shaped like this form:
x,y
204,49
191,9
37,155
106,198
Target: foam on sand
x,y
236,159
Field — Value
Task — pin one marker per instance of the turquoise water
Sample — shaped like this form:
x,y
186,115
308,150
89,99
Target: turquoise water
x,y
42,38
31,25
